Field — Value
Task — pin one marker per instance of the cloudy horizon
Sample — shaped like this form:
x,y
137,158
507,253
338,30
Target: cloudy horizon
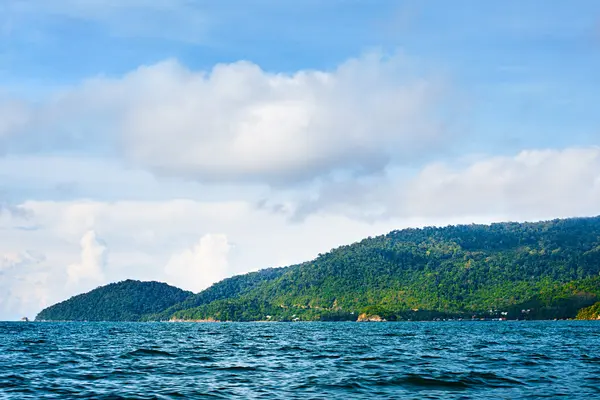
x,y
187,142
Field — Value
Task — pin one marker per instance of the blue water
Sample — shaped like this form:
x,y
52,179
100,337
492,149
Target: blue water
x,y
413,360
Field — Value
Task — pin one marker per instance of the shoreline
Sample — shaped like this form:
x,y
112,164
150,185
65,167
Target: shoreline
x,y
212,321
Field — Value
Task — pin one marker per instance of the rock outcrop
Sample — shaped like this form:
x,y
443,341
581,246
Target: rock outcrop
x,y
364,317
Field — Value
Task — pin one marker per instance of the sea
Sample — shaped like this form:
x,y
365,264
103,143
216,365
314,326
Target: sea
x,y
303,360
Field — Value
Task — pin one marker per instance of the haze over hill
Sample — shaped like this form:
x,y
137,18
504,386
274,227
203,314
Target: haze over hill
x,y
541,270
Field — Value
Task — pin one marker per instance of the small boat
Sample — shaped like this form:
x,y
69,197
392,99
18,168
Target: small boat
x,y
24,319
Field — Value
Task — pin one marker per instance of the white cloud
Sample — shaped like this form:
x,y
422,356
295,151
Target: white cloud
x,y
90,268
533,184
148,238
23,283
242,123
239,123
198,267
16,260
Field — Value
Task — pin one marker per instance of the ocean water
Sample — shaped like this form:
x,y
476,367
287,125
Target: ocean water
x,y
412,360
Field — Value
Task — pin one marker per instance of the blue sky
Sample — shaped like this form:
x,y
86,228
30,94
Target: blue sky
x,y
515,63
180,140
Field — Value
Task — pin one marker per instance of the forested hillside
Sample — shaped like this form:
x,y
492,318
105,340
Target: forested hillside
x,y
122,301
591,312
529,270
227,288
540,270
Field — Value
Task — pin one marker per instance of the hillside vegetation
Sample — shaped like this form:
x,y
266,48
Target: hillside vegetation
x,y
525,270
591,312
227,288
541,270
122,301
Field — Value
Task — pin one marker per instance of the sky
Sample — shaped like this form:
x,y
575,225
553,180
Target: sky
x,y
186,141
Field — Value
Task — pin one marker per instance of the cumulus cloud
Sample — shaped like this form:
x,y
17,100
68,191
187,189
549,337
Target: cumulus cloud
x,y
90,268
242,123
239,123
16,260
533,184
198,267
23,283
148,241
151,239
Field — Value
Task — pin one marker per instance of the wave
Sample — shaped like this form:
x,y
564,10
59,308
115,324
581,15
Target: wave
x,y
452,380
148,353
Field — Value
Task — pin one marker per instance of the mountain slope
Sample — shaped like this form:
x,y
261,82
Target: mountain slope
x,y
549,268
123,301
226,289
537,270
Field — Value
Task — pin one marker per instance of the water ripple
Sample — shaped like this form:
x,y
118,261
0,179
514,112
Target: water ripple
x,y
430,360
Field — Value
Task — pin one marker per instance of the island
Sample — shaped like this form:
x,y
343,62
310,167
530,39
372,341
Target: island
x,y
501,271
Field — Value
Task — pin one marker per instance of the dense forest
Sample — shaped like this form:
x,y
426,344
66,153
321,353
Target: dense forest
x,y
225,289
591,312
123,301
541,270
514,270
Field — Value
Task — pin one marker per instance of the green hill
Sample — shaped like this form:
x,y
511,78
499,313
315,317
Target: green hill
x,y
226,289
122,301
525,270
541,270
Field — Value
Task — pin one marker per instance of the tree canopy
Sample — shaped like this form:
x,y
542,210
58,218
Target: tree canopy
x,y
519,270
538,270
122,301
